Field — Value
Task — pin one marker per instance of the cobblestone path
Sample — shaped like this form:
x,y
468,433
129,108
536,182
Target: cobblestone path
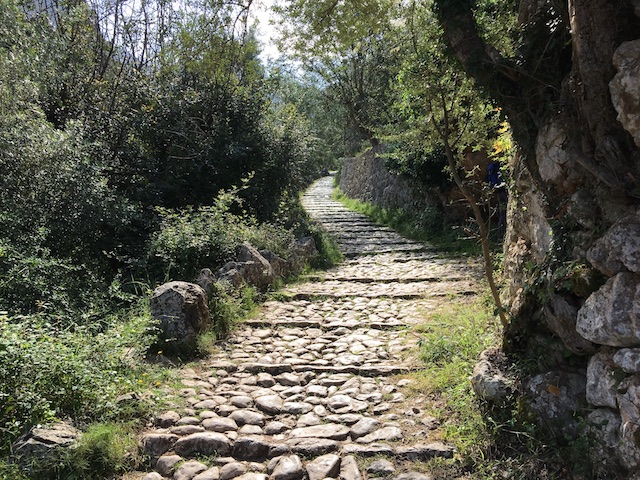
x,y
318,385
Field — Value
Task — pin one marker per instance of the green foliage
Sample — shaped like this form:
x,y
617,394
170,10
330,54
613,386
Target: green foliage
x,y
47,373
227,308
190,240
103,451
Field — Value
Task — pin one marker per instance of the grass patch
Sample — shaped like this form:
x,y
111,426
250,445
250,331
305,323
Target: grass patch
x,y
430,226
450,343
492,441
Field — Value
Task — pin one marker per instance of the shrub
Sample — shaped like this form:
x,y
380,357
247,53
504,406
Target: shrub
x,y
190,240
47,372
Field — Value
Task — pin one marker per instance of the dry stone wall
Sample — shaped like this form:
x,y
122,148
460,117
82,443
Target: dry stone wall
x,y
574,282
366,178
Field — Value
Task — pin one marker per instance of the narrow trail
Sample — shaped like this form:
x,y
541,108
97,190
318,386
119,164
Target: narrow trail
x,y
318,384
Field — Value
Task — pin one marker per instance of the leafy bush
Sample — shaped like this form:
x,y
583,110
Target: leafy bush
x,y
47,373
190,240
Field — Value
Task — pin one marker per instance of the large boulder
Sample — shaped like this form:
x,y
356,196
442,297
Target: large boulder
x,y
257,269
625,87
279,265
303,250
619,249
41,444
251,268
611,315
182,311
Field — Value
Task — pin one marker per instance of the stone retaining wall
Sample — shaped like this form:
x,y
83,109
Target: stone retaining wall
x,y
574,283
366,178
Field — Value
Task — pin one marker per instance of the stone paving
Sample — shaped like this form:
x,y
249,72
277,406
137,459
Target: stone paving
x,y
317,385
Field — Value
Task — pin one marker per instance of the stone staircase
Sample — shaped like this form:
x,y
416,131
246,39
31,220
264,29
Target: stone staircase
x,y
318,385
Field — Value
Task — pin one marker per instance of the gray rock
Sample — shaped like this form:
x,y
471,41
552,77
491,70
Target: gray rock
x,y
381,467
256,269
220,424
628,359
188,470
188,421
381,408
488,381
619,249
611,316
561,318
156,444
625,87
265,380
253,448
296,408
628,395
386,434
308,420
243,417
413,476
601,380
324,466
182,311
250,430
603,429
363,427
186,429
205,443
367,450
232,470
206,279
317,391
311,447
329,431
556,159
289,467
271,404
167,419
165,463
212,473
421,452
152,476
349,469
41,443
556,398
206,404
253,476
346,418
288,379
274,428
279,265
241,401
344,404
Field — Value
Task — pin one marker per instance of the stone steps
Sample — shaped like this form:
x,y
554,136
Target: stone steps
x,y
317,385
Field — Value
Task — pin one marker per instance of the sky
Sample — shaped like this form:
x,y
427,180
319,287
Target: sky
x,y
266,32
